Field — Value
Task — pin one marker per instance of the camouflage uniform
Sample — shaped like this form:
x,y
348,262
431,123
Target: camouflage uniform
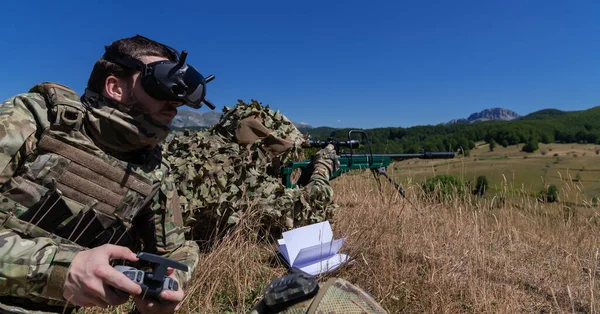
x,y
235,165
77,174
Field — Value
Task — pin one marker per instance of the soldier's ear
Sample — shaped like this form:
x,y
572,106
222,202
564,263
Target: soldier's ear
x,y
114,88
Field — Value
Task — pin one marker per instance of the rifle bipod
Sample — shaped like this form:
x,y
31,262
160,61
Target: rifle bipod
x,y
382,171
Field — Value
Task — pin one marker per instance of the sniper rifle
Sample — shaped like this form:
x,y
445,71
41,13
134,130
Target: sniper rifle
x,y
378,163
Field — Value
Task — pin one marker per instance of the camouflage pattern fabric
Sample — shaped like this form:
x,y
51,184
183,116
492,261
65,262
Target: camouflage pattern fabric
x,y
118,128
325,162
258,127
33,262
219,179
335,296
338,296
33,268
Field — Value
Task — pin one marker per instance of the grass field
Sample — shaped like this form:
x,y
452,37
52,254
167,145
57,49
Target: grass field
x,y
504,252
558,164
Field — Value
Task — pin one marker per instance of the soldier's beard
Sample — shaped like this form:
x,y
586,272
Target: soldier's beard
x,y
122,127
132,103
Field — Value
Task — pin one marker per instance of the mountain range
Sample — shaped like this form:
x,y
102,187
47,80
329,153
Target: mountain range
x,y
189,119
194,119
198,120
545,126
488,115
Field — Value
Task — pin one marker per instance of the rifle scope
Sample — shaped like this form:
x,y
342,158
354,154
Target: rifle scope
x,y
322,144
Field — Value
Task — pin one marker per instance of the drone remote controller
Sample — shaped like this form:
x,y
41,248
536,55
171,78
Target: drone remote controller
x,y
155,282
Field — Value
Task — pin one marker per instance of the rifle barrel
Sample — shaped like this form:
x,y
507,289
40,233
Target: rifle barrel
x,y
425,155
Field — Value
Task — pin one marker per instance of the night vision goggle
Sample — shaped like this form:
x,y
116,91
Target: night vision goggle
x,y
168,80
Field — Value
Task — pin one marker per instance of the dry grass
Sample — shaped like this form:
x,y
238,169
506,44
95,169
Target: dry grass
x,y
506,254
529,171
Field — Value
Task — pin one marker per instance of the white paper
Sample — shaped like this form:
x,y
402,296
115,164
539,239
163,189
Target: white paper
x,y
327,265
283,250
312,249
307,236
318,252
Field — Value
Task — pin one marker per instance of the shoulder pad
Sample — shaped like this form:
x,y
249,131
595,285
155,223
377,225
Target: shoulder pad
x,y
55,93
63,102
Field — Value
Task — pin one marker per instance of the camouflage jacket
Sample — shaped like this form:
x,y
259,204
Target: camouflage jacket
x,y
62,194
220,179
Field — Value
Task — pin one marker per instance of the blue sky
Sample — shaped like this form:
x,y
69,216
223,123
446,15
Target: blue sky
x,y
336,63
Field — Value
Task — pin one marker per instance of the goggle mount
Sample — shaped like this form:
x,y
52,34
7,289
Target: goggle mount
x,y
166,79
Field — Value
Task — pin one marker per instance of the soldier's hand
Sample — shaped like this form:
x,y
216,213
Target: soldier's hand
x,y
325,161
173,298
91,276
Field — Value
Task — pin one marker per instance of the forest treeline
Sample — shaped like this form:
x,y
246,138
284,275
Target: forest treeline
x,y
544,126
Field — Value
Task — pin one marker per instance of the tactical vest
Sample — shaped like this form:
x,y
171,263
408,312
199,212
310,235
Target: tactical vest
x,y
69,189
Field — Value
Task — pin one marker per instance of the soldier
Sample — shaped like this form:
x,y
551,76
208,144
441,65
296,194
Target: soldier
x,y
84,182
236,165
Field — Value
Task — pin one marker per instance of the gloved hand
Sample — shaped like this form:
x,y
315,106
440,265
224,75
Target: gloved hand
x,y
325,161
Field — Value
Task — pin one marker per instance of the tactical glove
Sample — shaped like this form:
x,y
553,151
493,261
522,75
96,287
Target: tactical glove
x,y
325,162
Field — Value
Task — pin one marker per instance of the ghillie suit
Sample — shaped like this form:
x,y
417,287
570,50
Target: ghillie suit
x,y
234,166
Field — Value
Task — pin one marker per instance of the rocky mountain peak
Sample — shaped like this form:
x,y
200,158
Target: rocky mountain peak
x,y
488,115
